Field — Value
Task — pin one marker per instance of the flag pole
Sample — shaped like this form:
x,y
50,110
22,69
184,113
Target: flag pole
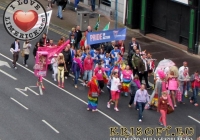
x,y
48,21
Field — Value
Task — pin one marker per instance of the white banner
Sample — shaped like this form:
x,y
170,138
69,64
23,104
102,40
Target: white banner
x,y
182,1
39,22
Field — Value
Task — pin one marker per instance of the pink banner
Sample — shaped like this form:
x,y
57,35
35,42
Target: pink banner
x,y
53,50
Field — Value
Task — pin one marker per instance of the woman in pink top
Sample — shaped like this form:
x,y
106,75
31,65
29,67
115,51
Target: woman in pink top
x,y
126,77
99,72
173,83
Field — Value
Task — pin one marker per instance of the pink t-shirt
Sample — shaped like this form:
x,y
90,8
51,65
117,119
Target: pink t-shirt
x,y
99,73
127,74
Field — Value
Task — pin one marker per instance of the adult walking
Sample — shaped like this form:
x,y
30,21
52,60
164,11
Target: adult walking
x,y
61,69
76,2
15,46
93,90
67,57
135,62
180,71
37,45
115,90
184,80
195,79
88,68
44,40
64,5
143,70
93,5
173,83
78,37
60,4
126,78
26,51
162,108
100,72
132,90
133,44
141,98
77,68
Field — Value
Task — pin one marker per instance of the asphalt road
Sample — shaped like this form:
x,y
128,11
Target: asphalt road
x,y
61,114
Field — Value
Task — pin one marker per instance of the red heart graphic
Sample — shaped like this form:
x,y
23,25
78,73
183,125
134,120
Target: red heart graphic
x,y
25,20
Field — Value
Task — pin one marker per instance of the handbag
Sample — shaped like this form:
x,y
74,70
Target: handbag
x,y
22,53
95,94
169,109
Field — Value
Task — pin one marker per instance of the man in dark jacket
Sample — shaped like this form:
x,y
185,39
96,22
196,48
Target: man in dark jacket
x,y
44,40
110,47
135,62
132,44
67,56
143,70
15,48
132,89
78,37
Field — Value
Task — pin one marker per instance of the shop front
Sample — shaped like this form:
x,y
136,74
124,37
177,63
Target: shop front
x,y
175,20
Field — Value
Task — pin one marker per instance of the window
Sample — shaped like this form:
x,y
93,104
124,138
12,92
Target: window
x,y
106,2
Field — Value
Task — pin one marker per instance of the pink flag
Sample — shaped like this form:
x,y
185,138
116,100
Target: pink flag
x,y
54,50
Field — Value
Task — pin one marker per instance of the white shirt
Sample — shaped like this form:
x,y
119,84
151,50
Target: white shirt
x,y
145,63
54,62
181,69
115,82
16,47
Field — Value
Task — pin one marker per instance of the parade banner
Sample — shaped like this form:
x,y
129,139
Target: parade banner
x,y
53,50
106,36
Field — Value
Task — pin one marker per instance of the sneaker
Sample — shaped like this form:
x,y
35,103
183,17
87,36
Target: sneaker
x,y
137,109
129,106
84,84
65,77
140,120
116,109
26,65
15,67
75,86
108,105
195,104
186,96
126,94
63,10
175,106
55,80
75,9
191,101
160,123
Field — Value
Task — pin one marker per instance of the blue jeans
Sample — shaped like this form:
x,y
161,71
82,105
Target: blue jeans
x,y
141,108
76,3
93,5
76,76
195,93
87,75
60,12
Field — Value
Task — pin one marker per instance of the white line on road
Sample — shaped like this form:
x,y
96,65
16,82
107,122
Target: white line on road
x,y
194,119
8,74
50,126
69,93
19,103
21,92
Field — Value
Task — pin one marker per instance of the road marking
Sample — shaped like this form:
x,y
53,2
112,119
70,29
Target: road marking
x,y
26,89
8,74
50,126
19,90
69,93
194,119
19,103
3,63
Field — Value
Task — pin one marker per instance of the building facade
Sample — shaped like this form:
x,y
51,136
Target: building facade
x,y
109,8
176,20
